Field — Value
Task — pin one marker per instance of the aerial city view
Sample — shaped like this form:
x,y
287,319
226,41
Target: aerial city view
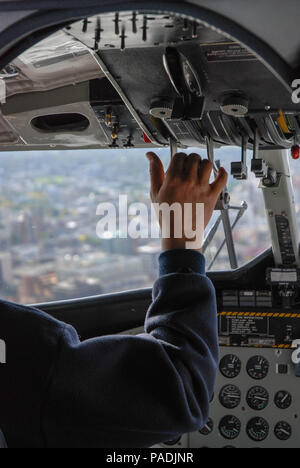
x,y
49,248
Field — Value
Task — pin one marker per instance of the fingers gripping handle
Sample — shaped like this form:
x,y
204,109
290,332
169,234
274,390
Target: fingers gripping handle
x,y
224,199
173,147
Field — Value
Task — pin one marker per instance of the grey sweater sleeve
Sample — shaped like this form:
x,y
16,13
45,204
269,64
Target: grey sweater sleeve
x,y
136,391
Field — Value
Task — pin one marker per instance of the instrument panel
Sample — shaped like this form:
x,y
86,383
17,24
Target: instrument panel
x,y
256,401
255,405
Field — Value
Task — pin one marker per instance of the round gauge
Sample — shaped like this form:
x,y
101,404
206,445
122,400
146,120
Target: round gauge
x,y
230,427
257,398
258,429
283,430
230,366
283,399
258,367
208,428
230,396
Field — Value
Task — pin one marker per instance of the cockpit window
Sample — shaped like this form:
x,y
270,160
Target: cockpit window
x,y
51,247
247,215
134,81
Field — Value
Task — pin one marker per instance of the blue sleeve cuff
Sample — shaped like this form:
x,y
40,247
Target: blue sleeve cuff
x,y
181,260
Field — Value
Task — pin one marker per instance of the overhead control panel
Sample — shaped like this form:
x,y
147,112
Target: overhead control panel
x,y
167,76
193,78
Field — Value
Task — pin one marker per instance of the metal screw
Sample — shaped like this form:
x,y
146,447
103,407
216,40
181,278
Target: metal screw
x,y
195,30
98,32
145,27
116,21
185,24
85,25
134,20
123,37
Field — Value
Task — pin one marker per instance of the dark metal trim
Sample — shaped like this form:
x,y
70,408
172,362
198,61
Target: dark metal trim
x,y
116,313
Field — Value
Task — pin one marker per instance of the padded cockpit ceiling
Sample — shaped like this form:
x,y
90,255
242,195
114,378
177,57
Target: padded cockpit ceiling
x,y
276,22
53,63
7,19
11,18
273,21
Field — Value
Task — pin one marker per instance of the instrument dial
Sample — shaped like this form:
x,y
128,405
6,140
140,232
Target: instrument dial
x,y
258,367
283,399
283,430
230,396
230,366
230,427
208,428
257,429
257,398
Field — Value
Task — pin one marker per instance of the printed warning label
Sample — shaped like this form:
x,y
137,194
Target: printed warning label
x,y
245,325
277,329
227,53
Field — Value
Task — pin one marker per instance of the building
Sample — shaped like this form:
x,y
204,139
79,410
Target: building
x,y
6,273
149,256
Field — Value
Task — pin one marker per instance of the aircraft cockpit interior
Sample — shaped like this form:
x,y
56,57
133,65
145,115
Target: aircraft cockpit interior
x,y
116,79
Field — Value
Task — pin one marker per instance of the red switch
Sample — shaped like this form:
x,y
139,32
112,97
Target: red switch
x,y
295,152
146,139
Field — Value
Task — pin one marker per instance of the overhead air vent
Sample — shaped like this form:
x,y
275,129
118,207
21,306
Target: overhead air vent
x,y
55,123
